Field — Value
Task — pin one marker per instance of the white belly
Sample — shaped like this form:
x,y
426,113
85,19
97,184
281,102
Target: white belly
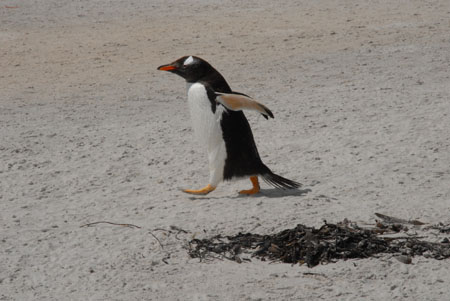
x,y
206,124
207,129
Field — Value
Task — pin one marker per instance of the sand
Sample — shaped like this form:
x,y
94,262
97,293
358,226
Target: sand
x,y
91,131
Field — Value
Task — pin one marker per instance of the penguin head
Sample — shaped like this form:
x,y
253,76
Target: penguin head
x,y
191,68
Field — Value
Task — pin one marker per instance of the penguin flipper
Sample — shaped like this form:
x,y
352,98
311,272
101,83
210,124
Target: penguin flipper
x,y
240,102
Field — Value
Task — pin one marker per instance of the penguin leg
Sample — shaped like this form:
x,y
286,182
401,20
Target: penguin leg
x,y
216,157
255,188
215,172
205,190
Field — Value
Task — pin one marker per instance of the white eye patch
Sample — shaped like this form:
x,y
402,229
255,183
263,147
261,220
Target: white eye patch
x,y
188,61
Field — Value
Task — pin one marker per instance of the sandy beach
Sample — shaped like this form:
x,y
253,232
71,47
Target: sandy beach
x,y
91,131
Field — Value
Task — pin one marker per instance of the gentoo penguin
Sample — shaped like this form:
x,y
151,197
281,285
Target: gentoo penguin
x,y
221,126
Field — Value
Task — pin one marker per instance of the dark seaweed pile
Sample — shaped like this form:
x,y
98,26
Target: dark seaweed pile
x,y
307,245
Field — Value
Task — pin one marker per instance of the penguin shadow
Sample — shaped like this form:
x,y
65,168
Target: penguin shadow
x,y
278,193
268,193
204,197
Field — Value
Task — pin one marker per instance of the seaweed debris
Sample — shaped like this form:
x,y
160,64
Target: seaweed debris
x,y
310,246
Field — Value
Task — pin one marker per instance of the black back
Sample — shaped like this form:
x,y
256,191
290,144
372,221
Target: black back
x,y
242,155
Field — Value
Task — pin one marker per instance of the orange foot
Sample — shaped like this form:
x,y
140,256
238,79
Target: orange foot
x,y
204,190
255,188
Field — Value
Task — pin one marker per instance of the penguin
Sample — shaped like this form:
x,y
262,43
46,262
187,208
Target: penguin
x,y
221,126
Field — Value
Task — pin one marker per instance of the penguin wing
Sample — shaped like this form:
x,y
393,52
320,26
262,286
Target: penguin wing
x,y
240,102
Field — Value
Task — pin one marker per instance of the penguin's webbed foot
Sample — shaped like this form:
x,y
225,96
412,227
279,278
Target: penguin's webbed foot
x,y
249,191
205,190
255,188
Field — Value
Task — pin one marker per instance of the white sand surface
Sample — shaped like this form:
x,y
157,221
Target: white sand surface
x,y
90,131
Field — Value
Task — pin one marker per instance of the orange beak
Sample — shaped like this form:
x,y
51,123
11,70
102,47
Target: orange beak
x,y
167,67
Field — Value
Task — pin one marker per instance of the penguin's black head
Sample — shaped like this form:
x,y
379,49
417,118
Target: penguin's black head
x,y
191,68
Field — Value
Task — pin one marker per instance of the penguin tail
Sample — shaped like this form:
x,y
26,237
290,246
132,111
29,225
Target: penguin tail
x,y
278,181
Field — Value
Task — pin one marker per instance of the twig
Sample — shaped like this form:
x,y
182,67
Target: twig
x,y
161,229
156,239
132,226
172,227
401,237
115,224
394,220
314,274
441,227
